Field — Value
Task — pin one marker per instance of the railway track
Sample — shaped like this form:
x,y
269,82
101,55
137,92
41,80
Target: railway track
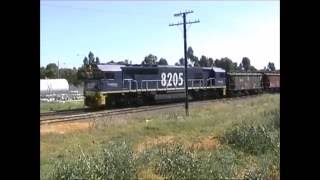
x,y
81,114
61,112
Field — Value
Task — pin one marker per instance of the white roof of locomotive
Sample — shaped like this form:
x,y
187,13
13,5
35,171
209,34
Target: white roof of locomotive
x,y
116,67
217,69
214,68
110,67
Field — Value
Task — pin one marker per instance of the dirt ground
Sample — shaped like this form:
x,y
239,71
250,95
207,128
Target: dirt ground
x,y
150,142
62,128
205,143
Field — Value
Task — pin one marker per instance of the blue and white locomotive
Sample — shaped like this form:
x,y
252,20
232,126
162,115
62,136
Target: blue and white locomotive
x,y
139,84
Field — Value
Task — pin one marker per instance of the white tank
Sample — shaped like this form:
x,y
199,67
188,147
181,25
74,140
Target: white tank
x,y
53,85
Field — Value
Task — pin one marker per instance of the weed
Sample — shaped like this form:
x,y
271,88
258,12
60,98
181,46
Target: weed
x,y
250,139
177,163
116,162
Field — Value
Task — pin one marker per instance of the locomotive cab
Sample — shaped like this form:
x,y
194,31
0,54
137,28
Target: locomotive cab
x,y
104,78
219,76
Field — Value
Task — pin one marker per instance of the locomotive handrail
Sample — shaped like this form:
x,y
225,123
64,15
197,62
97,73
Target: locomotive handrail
x,y
147,84
135,81
130,82
209,79
194,80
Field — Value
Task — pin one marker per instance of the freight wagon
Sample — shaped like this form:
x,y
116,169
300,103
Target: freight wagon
x,y
244,83
271,81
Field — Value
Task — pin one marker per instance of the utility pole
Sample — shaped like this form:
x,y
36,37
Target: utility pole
x,y
185,54
58,69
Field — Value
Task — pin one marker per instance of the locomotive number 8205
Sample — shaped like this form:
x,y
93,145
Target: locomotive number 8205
x,y
171,79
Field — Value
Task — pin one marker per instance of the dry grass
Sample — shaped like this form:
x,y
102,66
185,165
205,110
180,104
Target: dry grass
x,y
145,130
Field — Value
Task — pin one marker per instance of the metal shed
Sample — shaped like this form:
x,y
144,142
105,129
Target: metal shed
x,y
53,85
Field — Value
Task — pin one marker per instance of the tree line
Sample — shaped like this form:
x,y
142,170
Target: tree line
x,y
225,63
76,76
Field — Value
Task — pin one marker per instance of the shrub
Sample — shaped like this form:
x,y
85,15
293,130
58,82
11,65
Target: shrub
x,y
220,164
266,166
256,173
250,139
119,162
116,162
176,163
148,157
83,168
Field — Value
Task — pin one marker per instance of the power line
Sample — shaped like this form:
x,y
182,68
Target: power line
x,y
183,14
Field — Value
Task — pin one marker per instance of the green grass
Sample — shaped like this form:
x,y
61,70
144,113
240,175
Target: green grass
x,y
241,124
54,106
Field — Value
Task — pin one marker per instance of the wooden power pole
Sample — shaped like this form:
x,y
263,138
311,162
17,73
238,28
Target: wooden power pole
x,y
185,53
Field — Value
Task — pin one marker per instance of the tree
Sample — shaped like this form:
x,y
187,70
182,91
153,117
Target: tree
x,y
71,75
91,57
163,61
196,62
235,65
85,61
252,69
246,63
203,61
226,64
51,71
66,73
271,66
190,53
111,62
122,63
240,68
81,73
97,60
42,73
210,62
149,60
181,61
52,66
193,59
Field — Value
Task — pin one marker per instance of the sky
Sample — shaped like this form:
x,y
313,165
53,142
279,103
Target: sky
x,y
119,30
